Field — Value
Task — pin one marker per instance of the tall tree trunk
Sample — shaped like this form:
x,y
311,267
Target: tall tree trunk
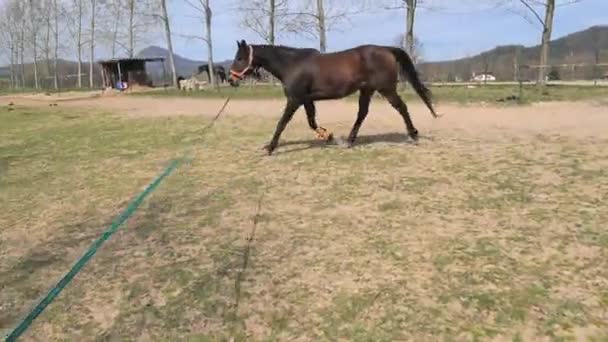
x,y
208,16
117,17
169,42
271,23
22,53
516,64
12,68
272,28
36,85
92,42
322,29
34,28
409,26
131,28
56,54
79,43
47,41
546,39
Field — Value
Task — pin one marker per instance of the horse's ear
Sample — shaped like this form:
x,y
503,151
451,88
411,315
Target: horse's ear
x,y
238,44
243,42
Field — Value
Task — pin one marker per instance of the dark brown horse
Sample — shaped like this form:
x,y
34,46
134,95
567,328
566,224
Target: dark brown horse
x,y
308,76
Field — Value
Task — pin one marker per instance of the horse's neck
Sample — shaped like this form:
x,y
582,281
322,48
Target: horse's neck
x,y
273,59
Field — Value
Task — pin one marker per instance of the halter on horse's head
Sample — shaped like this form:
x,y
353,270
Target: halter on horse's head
x,y
243,63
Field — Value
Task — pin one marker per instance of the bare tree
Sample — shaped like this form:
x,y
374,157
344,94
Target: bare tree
x,y
547,28
74,16
92,43
56,53
6,45
204,7
266,18
321,26
317,18
18,24
409,25
536,8
208,16
516,57
22,37
33,13
167,24
131,46
410,7
116,9
45,11
9,36
123,24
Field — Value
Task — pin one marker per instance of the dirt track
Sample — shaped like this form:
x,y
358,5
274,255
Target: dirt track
x,y
568,118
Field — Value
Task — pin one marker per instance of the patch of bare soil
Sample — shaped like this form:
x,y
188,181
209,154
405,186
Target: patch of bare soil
x,y
570,118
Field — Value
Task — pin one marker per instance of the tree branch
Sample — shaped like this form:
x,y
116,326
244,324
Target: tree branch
x,y
525,3
191,36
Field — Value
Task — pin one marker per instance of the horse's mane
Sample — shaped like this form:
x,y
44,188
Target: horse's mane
x,y
284,48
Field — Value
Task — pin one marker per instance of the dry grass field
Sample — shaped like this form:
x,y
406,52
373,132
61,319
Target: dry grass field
x,y
493,227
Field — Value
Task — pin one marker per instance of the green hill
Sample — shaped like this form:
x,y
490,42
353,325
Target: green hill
x,y
583,47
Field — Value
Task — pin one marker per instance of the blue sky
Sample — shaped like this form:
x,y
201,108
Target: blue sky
x,y
446,32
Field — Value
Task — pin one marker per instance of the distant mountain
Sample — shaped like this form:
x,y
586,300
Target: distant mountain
x,y
584,47
185,67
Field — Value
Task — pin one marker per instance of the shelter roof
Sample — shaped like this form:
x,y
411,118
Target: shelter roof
x,y
119,60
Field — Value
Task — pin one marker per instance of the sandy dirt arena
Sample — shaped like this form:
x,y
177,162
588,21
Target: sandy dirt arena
x,y
569,118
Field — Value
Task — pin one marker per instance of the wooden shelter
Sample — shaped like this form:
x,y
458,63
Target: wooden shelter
x,y
118,72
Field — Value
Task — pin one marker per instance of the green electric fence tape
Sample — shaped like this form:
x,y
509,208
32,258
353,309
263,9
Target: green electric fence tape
x,y
54,292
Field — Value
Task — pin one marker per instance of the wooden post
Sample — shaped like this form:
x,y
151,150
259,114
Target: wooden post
x,y
103,78
165,74
119,74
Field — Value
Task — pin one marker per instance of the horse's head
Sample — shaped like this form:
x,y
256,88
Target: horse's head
x,y
242,64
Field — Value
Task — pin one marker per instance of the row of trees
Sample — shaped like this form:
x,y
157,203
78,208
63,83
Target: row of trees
x,y
37,31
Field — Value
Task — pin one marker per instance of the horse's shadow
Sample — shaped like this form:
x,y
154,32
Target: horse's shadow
x,y
362,140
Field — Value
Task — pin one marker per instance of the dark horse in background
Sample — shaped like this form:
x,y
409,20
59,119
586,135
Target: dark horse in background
x,y
308,76
218,70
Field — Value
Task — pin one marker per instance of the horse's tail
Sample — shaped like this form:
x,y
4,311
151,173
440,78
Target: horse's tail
x,y
408,68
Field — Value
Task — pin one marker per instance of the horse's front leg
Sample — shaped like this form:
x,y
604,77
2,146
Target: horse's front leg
x,y
311,114
365,98
290,109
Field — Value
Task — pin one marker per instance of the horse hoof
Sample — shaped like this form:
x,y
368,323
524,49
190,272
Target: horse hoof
x,y
269,149
347,144
414,135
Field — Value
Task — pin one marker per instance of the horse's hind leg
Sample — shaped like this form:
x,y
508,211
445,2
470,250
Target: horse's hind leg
x,y
288,113
395,100
365,98
311,114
